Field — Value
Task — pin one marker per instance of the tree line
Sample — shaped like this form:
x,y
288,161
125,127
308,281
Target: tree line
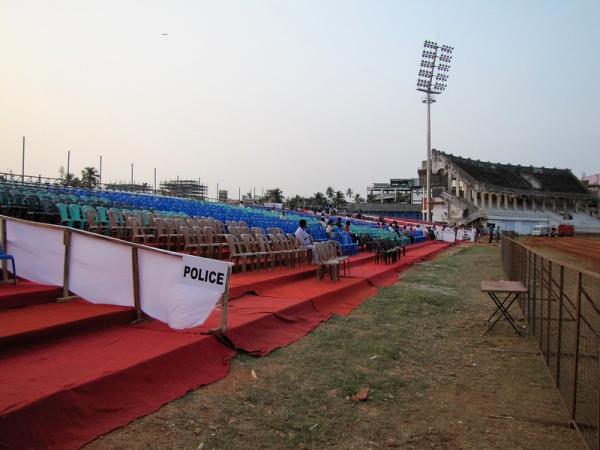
x,y
330,198
89,178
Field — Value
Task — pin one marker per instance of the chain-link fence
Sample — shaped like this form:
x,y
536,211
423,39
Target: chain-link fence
x,y
562,309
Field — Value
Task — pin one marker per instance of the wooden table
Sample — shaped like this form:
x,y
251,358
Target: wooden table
x,y
511,291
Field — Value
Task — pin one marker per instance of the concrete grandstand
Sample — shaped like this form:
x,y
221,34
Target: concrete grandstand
x,y
514,197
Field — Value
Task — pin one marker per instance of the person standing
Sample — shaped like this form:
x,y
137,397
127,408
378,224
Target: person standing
x,y
497,234
491,232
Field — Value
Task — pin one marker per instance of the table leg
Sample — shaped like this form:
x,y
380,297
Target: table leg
x,y
502,307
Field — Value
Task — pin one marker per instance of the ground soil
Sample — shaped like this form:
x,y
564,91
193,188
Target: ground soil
x,y
433,379
583,252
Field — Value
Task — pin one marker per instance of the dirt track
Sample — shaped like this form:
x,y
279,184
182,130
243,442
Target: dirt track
x,y
581,251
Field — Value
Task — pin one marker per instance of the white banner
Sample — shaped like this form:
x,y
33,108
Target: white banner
x,y
180,290
39,251
166,295
100,270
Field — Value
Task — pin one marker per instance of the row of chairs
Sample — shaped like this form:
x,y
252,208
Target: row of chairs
x,y
266,251
388,251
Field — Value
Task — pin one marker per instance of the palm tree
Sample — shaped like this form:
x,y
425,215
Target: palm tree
x,y
330,193
358,198
89,177
319,199
71,180
275,195
339,198
349,193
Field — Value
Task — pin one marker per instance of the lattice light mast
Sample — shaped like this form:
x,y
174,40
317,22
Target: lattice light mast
x,y
435,65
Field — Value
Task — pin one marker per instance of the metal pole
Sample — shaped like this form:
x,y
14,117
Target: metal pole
x,y
68,161
218,198
224,302
155,181
427,201
132,174
23,163
100,173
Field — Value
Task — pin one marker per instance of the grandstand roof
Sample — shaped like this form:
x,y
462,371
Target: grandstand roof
x,y
519,177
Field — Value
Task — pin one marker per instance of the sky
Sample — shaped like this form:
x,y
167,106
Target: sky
x,y
298,94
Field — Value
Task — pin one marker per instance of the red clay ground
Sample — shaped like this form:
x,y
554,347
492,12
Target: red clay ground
x,y
580,251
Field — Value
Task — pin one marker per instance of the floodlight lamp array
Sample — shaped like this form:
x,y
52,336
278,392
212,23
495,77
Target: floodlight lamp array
x,y
430,44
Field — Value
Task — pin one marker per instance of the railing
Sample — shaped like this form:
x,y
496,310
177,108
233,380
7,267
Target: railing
x,y
562,309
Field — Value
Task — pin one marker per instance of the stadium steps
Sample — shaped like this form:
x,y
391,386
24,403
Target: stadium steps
x,y
65,392
26,293
39,323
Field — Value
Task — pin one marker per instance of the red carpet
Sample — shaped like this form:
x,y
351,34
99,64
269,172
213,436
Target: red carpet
x,y
51,320
64,392
27,293
249,282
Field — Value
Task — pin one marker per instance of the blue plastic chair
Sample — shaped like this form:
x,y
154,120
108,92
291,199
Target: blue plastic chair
x,y
11,258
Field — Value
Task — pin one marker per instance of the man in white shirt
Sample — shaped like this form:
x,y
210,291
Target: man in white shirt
x,y
305,240
302,235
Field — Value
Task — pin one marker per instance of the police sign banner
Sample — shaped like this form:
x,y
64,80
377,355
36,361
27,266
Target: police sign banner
x,y
180,290
210,274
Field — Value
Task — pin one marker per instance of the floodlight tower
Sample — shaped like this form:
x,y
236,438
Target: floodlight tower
x,y
435,65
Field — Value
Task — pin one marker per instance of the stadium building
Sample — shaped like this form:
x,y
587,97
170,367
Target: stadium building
x,y
514,197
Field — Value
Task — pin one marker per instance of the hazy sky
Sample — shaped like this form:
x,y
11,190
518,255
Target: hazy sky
x,y
294,94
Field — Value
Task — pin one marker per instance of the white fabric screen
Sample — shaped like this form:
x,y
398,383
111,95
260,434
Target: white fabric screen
x,y
100,270
165,297
38,251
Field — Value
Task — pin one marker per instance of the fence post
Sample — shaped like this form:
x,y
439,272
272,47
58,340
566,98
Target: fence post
x,y
549,311
560,313
576,360
533,307
224,301
67,262
528,278
4,249
135,273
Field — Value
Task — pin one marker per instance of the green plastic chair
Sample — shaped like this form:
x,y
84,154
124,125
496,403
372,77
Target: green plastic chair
x,y
65,218
102,212
77,216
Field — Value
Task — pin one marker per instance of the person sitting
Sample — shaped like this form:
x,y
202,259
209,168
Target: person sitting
x,y
339,223
302,235
329,229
